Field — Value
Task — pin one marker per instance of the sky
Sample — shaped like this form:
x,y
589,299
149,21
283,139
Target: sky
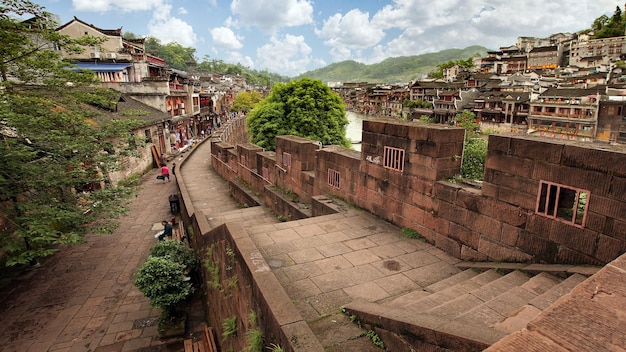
x,y
290,37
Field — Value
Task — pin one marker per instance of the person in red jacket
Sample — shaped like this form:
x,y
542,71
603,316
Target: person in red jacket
x,y
165,172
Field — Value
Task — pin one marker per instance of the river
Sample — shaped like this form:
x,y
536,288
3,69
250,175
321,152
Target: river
x,y
355,128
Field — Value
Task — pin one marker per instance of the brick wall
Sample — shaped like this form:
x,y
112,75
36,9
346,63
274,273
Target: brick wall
x,y
400,175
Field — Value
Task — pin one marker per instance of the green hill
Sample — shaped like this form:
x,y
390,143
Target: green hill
x,y
391,70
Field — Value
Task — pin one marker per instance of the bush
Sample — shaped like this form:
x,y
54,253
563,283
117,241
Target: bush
x,y
176,251
161,280
474,155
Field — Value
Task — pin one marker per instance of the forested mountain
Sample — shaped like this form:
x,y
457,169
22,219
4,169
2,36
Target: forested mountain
x,y
391,70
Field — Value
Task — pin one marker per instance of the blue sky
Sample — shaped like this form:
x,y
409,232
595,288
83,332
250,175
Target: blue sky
x,y
290,37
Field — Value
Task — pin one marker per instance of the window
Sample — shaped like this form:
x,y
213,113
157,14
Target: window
x,y
286,159
566,204
393,158
333,178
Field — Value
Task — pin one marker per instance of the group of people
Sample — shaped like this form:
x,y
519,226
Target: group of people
x,y
165,171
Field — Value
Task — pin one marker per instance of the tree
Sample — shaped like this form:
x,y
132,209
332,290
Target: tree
x,y
305,108
474,149
246,101
55,150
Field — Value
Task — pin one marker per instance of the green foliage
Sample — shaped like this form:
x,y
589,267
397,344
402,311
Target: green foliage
x,y
176,55
304,108
175,251
417,104
467,120
605,27
394,69
246,101
467,64
254,338
55,153
230,327
275,348
474,156
410,233
425,119
376,340
161,280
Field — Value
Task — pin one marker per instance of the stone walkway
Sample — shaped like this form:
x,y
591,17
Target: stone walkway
x,y
83,298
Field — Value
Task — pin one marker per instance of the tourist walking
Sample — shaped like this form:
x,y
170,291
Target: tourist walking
x,y
165,173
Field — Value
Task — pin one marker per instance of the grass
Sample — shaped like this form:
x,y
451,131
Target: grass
x,y
255,340
230,327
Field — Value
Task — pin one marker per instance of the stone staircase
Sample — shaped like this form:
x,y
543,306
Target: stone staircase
x,y
467,311
248,217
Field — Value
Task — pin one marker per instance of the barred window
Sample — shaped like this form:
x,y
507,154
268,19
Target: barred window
x,y
333,178
563,203
393,158
286,159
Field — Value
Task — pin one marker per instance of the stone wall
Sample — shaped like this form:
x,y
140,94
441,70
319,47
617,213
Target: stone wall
x,y
401,176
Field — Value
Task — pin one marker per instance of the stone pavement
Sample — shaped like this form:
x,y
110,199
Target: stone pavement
x,y
83,298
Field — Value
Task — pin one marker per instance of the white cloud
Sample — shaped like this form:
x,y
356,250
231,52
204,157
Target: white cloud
x,y
169,29
225,38
288,56
238,58
353,30
115,5
270,15
182,11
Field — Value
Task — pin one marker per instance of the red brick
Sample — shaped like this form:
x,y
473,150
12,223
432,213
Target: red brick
x,y
618,188
472,255
450,150
437,224
422,185
570,256
510,164
419,133
581,240
595,159
397,130
446,134
374,126
446,191
423,160
448,162
427,148
617,229
543,249
498,143
484,225
500,252
453,213
413,213
521,199
539,225
421,171
536,150
510,234
518,183
490,190
463,235
609,207
425,202
595,222
609,248
448,245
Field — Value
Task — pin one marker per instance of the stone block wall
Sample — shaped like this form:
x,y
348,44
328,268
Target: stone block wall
x,y
400,175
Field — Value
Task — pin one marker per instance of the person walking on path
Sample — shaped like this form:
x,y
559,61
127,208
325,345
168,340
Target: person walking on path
x,y
165,172
174,169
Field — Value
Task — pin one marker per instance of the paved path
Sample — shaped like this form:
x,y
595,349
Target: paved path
x,y
83,298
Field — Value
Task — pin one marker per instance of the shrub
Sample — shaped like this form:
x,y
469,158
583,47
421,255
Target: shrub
x,y
474,155
161,280
176,251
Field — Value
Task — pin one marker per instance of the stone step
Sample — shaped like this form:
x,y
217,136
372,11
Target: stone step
x,y
517,320
546,299
485,294
437,298
246,216
451,281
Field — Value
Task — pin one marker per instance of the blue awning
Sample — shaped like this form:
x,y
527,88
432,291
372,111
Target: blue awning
x,y
102,67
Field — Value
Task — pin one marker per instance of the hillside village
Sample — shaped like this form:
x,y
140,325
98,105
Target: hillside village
x,y
566,86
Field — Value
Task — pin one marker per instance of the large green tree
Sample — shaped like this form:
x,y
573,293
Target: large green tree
x,y
246,101
55,151
305,108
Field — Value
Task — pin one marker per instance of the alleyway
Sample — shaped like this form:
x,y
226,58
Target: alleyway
x,y
83,298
